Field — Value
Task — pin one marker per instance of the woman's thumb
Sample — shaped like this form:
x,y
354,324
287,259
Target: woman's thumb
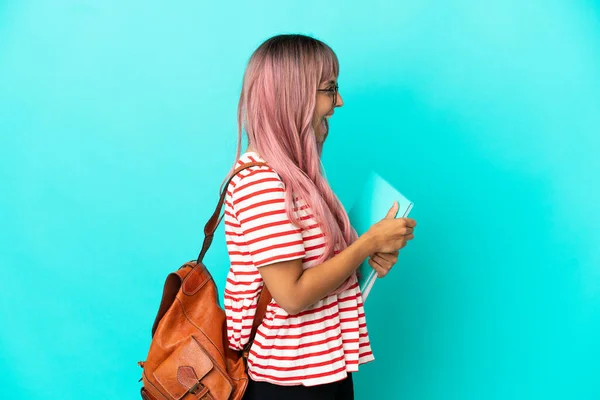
x,y
393,211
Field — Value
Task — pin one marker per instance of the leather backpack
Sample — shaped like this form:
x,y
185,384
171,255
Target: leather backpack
x,y
189,356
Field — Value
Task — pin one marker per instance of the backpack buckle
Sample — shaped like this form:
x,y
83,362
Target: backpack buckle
x,y
198,389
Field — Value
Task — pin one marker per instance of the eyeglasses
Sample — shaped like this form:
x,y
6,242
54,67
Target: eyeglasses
x,y
331,90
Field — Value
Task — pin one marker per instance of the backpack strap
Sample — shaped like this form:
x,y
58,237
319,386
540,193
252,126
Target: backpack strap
x,y
175,279
209,230
213,222
261,310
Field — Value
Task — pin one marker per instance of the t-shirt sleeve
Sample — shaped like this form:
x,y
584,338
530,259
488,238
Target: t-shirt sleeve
x,y
258,201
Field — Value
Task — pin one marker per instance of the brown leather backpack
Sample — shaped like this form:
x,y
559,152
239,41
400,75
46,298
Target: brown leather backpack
x,y
189,356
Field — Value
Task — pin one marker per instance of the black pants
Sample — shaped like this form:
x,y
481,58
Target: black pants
x,y
342,390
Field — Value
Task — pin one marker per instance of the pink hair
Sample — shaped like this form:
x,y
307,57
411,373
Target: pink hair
x,y
276,109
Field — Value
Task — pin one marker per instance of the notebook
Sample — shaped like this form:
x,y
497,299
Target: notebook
x,y
374,201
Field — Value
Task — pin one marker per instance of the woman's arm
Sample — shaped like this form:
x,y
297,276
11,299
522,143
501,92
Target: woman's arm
x,y
294,289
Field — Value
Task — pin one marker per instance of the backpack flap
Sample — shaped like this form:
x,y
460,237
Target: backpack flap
x,y
183,370
172,286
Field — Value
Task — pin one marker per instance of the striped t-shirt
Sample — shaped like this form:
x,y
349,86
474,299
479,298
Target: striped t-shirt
x,y
323,343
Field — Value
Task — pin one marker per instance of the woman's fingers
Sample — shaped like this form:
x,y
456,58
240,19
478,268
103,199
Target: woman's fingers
x,y
386,260
381,272
382,263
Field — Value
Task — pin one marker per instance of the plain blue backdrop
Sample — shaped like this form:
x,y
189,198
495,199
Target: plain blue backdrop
x,y
118,124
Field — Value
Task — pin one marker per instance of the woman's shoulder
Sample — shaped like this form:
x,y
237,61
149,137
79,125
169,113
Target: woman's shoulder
x,y
257,177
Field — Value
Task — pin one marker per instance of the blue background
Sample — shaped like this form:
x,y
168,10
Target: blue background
x,y
118,124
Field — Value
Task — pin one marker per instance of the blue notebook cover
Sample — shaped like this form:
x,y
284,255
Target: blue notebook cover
x,y
374,201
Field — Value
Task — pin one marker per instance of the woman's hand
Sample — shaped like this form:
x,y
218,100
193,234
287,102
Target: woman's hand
x,y
389,235
382,263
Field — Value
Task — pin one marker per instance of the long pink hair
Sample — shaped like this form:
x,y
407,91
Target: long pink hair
x,y
276,109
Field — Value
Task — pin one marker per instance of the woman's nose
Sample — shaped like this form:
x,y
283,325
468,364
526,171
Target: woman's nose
x,y
339,101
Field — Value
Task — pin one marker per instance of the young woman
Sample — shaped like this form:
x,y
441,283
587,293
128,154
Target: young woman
x,y
287,230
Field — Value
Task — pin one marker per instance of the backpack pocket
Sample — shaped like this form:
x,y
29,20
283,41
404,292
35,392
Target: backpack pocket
x,y
183,372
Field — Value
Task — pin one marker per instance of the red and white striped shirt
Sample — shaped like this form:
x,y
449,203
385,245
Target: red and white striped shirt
x,y
323,343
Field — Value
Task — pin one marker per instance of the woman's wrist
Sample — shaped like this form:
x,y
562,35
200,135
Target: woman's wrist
x,y
366,243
